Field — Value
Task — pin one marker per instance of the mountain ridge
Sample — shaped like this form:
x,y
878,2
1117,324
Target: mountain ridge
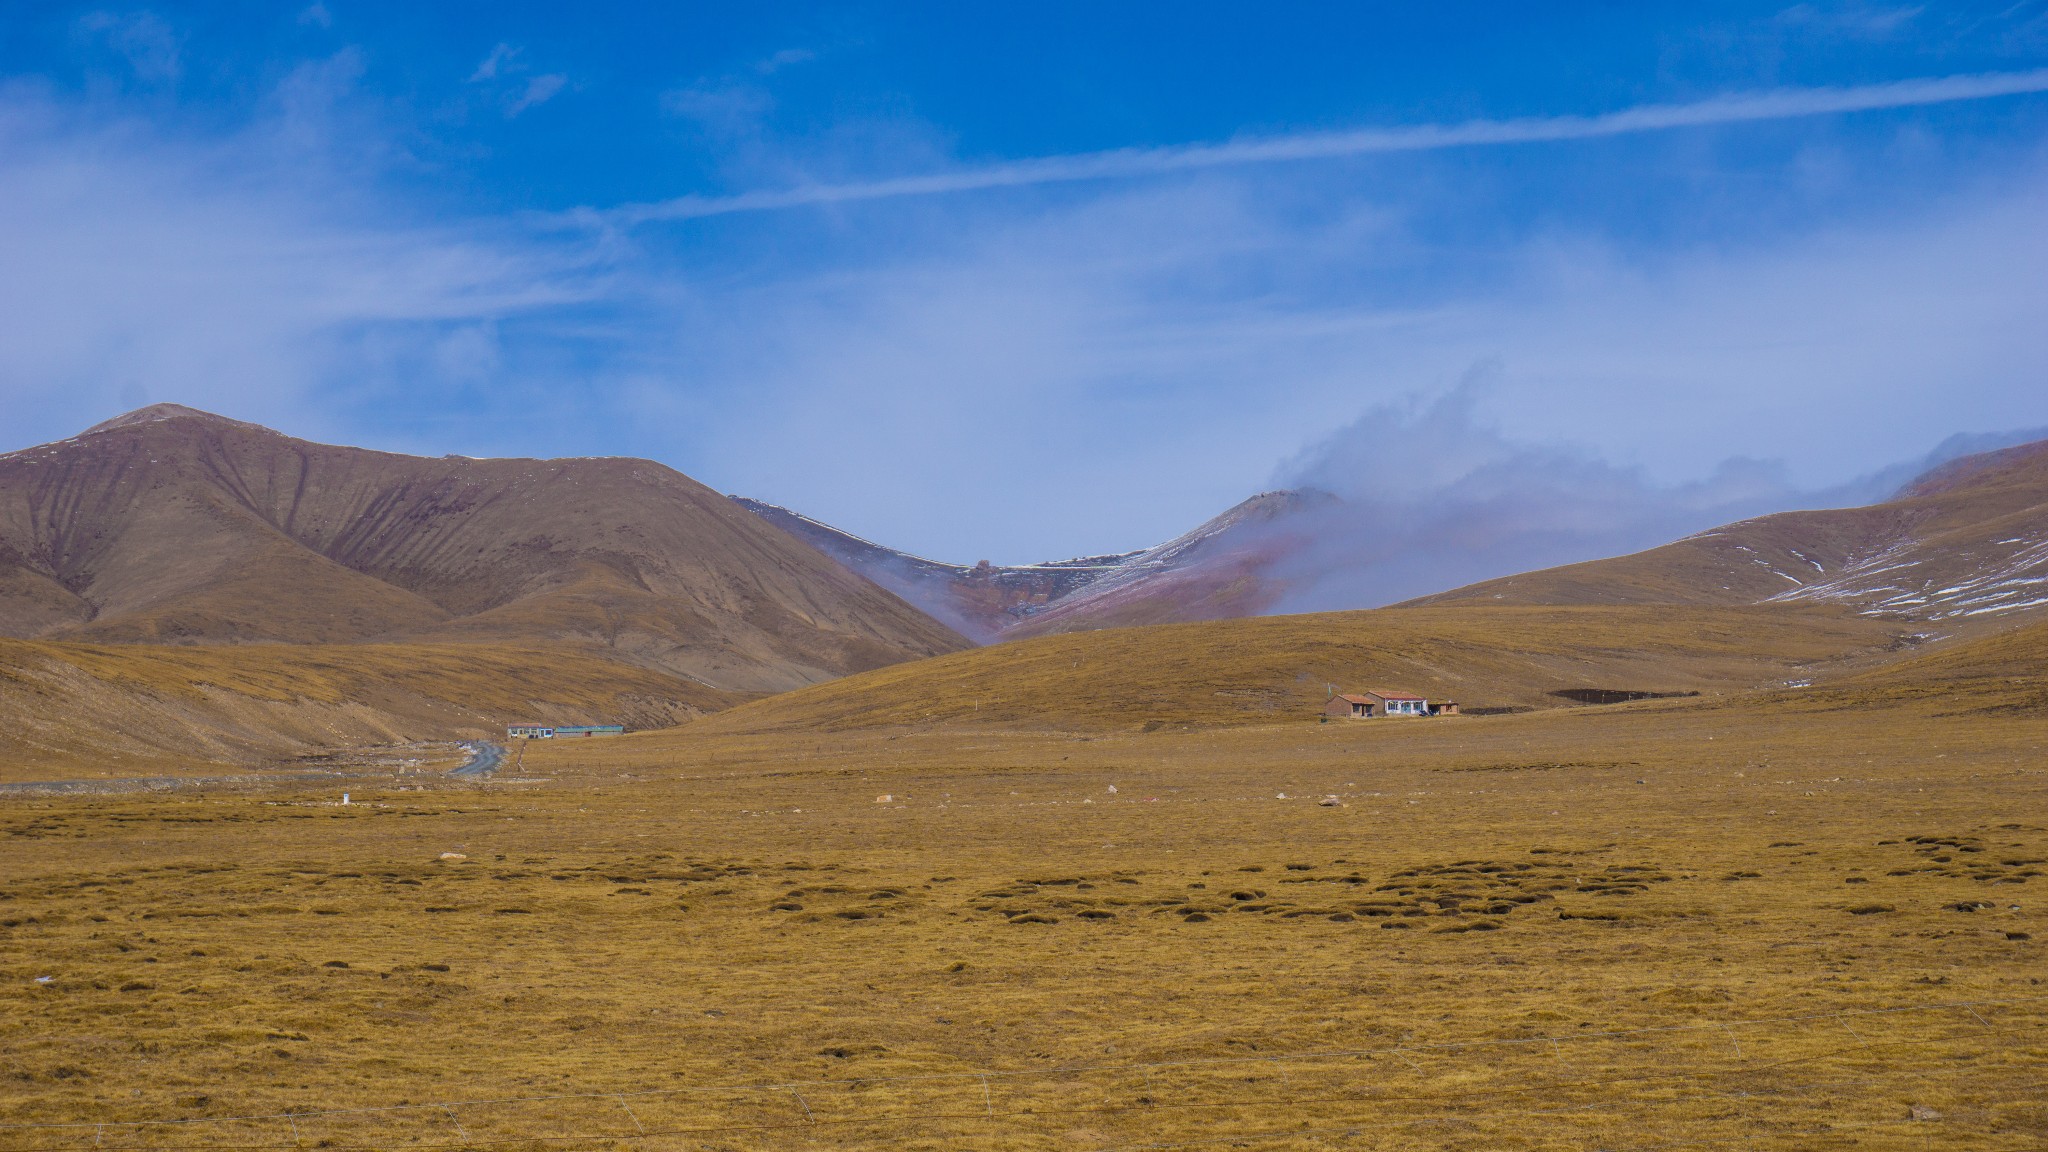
x,y
980,601
171,525
1216,570
1964,542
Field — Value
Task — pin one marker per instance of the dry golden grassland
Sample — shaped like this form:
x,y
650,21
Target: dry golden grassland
x,y
1259,670
1781,922
81,711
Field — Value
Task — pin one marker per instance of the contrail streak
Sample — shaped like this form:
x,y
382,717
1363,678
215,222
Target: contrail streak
x,y
1740,108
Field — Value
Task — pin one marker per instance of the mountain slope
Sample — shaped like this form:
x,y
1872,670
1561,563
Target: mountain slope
x,y
174,525
1219,570
1965,545
84,711
980,601
1278,669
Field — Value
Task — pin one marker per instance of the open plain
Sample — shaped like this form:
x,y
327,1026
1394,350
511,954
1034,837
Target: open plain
x,y
822,577
1780,919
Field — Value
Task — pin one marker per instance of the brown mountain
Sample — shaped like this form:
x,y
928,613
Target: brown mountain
x,y
1965,545
1219,570
981,601
173,525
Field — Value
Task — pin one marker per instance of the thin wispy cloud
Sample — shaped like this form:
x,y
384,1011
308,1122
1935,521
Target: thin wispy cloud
x,y
1166,342
502,57
144,40
777,61
1123,163
147,268
1831,293
539,90
1858,20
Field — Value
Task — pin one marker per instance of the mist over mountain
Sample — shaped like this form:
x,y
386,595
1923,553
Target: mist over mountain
x,y
1963,547
980,601
1403,504
1215,571
1432,497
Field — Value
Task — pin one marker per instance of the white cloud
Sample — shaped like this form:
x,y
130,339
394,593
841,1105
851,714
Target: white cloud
x,y
1433,497
499,72
1860,21
1017,377
143,39
1124,163
786,58
502,57
725,108
1103,374
231,278
1837,350
538,91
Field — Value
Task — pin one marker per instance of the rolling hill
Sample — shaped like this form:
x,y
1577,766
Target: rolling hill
x,y
2002,672
1279,668
170,525
1964,547
100,710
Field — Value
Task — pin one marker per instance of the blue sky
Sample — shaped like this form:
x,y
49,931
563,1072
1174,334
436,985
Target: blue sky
x,y
1027,281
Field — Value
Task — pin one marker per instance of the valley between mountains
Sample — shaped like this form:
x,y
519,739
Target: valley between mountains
x,y
1735,842
185,593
